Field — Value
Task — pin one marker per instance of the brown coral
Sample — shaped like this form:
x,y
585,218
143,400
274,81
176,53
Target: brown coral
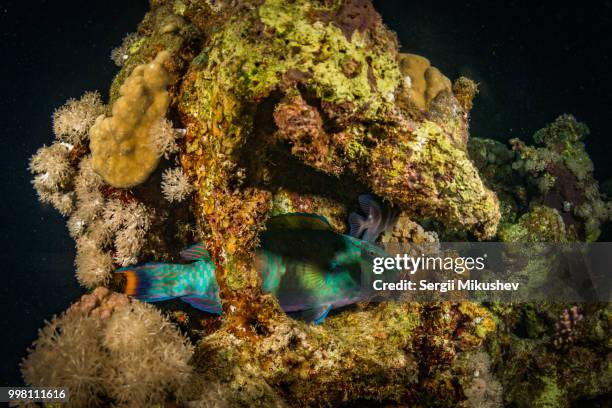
x,y
422,81
121,146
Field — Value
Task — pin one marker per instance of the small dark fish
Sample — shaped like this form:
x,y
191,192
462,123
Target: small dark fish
x,y
377,219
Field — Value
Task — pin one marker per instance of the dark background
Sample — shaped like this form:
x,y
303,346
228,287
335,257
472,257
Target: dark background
x,y
533,63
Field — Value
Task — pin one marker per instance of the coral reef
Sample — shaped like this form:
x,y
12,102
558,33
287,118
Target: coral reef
x,y
310,92
225,113
556,173
547,354
381,353
109,349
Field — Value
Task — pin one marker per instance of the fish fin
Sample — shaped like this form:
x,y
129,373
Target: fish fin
x,y
195,252
357,225
150,282
204,304
365,202
305,221
378,221
315,315
312,278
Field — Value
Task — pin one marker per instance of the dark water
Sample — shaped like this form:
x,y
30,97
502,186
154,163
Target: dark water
x,y
533,60
533,64
53,50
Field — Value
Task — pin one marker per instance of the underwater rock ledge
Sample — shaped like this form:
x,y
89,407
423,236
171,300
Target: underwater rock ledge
x,y
252,109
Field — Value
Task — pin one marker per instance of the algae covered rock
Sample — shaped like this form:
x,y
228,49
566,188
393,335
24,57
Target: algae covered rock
x,y
308,89
541,224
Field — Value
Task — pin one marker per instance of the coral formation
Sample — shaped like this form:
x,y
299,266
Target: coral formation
x,y
129,224
264,108
310,92
164,137
465,91
130,44
557,173
422,81
175,185
72,121
109,349
568,326
53,176
123,151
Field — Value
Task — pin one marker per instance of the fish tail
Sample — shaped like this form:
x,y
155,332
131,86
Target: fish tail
x,y
151,282
134,284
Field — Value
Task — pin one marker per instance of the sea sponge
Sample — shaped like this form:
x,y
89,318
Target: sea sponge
x,y
121,146
422,81
109,350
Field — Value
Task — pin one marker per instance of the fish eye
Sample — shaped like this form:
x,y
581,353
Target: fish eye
x,y
370,252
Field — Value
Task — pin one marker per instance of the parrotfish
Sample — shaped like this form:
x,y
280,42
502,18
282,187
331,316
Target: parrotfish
x,y
309,268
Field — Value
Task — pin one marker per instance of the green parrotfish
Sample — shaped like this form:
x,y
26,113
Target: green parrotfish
x,y
310,268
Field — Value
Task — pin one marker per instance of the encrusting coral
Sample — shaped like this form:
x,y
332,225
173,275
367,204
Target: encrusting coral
x,y
122,149
224,114
107,348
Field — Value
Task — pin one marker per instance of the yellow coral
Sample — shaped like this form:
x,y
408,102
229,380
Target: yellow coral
x,y
121,148
422,81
